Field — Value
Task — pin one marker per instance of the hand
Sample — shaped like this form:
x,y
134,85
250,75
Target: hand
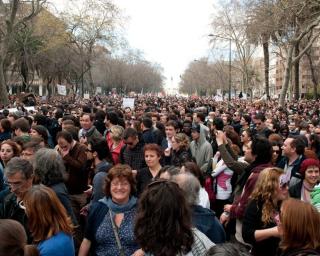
x,y
139,252
134,173
220,137
88,192
84,210
224,219
167,152
64,152
227,207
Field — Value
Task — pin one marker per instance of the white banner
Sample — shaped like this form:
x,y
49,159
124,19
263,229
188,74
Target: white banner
x,y
62,89
98,90
128,102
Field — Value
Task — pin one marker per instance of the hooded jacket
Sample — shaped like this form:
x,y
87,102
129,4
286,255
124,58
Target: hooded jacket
x,y
201,150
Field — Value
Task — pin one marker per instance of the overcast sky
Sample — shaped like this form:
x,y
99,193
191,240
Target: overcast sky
x,y
169,32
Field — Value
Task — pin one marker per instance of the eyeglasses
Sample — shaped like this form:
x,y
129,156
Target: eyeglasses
x,y
121,184
128,143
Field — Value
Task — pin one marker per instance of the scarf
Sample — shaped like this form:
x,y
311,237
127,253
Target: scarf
x,y
305,192
119,208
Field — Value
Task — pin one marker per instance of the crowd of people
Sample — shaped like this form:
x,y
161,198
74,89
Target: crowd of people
x,y
171,176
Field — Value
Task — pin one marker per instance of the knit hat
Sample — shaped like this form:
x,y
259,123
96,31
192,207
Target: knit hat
x,y
196,128
307,163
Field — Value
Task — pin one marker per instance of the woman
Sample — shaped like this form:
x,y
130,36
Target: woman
x,y
276,153
49,170
40,131
163,226
180,152
262,214
113,217
152,156
14,240
8,150
52,229
309,170
300,224
116,142
246,139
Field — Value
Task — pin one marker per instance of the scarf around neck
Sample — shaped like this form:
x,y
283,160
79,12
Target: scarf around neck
x,y
119,208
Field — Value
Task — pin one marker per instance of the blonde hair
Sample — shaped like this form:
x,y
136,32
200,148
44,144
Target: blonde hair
x,y
182,140
116,132
265,190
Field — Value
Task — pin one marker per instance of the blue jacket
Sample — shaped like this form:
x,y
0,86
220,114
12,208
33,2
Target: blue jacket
x,y
296,166
206,221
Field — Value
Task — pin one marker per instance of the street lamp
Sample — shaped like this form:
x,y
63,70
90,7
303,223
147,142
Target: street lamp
x,y
226,38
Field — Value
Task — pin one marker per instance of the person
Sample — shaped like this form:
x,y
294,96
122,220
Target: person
x,y
192,167
260,125
30,148
21,129
132,152
19,177
228,249
261,217
309,170
163,226
152,155
203,219
74,157
88,131
102,162
293,150
276,152
170,130
150,134
113,216
180,152
42,132
200,148
8,150
5,129
299,227
116,142
245,139
166,172
49,170
14,240
52,229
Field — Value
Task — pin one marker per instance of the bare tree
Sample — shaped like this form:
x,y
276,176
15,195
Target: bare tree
x,y
13,14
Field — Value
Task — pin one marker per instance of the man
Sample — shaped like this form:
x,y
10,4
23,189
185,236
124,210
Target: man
x,y
200,148
88,131
111,119
132,152
21,128
293,150
171,130
260,126
19,175
200,119
202,218
150,134
30,148
236,122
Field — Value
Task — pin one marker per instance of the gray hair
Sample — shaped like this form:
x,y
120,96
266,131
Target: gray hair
x,y
190,186
49,167
17,164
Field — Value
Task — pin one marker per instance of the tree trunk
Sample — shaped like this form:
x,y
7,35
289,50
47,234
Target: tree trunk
x,y
287,74
3,86
314,77
24,73
266,66
296,74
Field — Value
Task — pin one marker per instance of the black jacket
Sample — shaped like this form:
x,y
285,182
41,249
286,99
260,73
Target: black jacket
x,y
10,209
178,158
295,190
